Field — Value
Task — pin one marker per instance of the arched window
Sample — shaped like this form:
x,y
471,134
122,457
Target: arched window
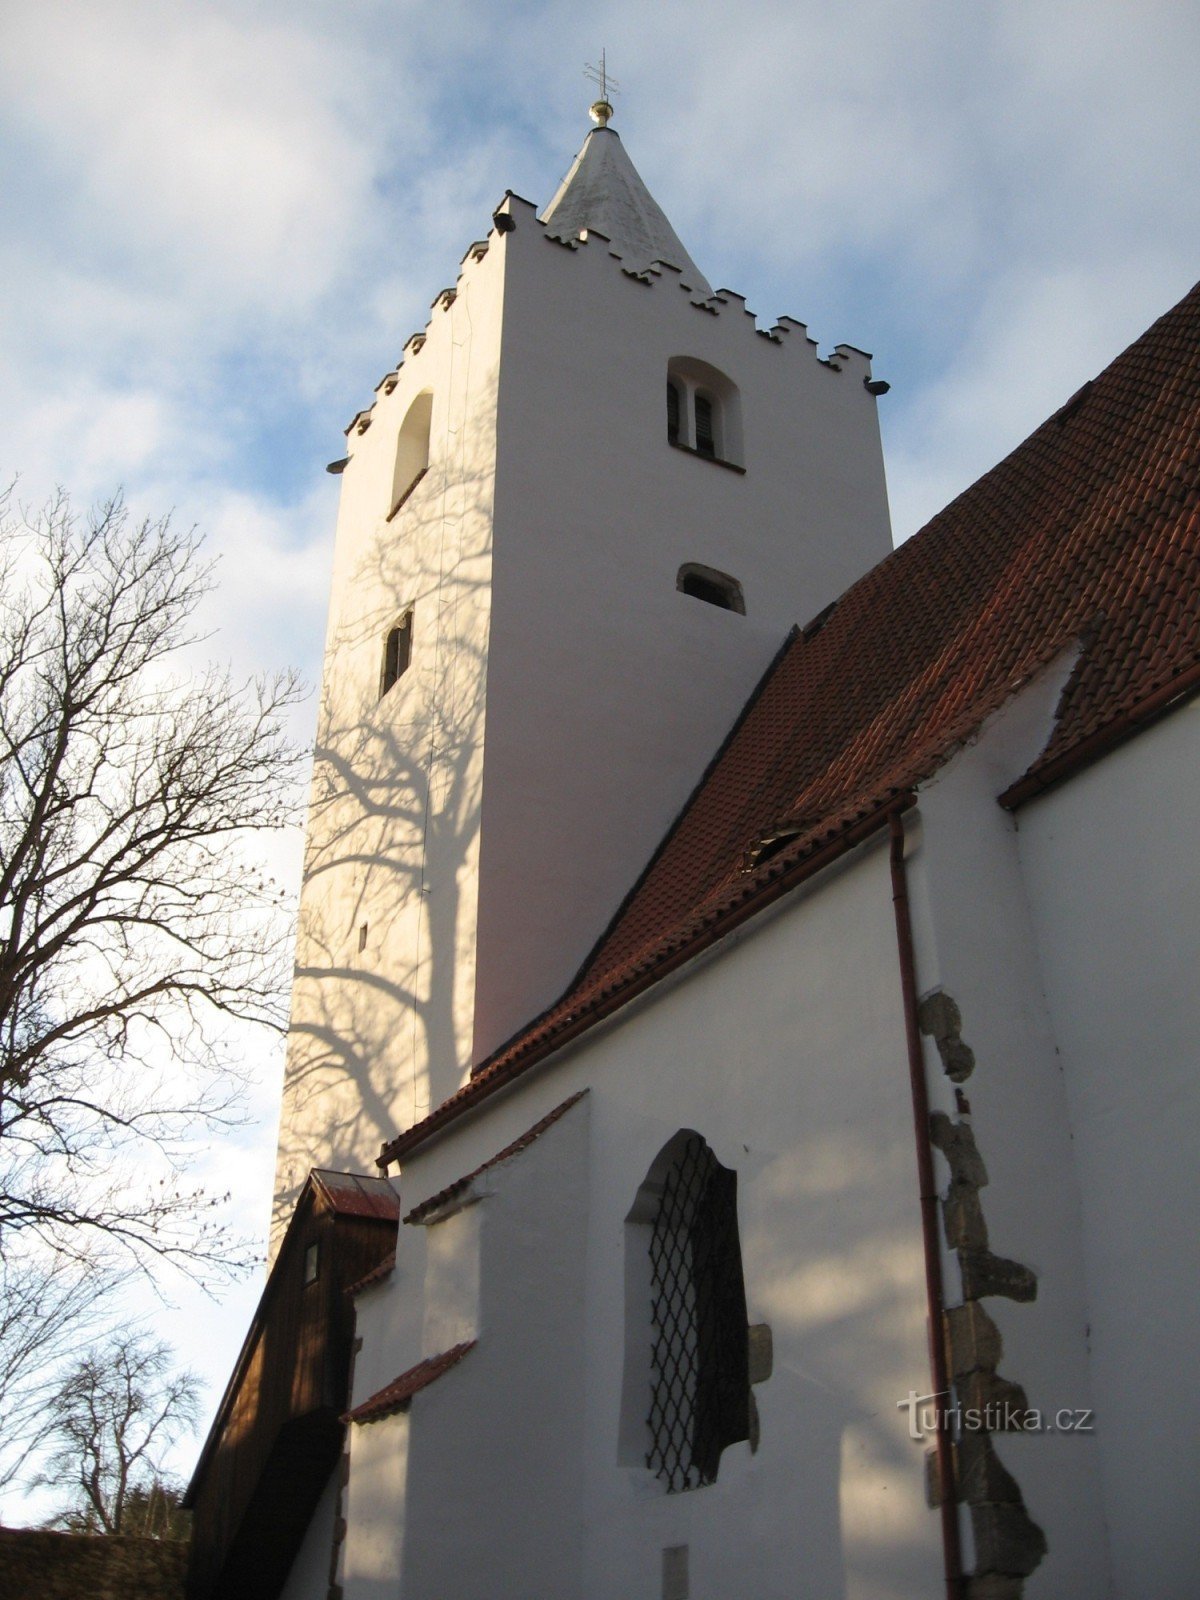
x,y
694,1390
412,450
397,652
704,412
713,587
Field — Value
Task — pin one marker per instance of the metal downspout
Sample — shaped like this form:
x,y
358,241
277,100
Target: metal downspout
x,y
935,1298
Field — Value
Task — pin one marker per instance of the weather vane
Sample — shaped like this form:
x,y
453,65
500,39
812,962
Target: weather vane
x,y
602,109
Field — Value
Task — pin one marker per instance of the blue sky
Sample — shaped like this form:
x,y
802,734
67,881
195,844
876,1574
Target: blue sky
x,y
223,218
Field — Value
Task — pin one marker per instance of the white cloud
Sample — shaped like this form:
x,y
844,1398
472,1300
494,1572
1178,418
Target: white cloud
x,y
214,154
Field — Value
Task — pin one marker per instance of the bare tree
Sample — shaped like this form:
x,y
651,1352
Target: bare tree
x,y
45,1315
110,1421
134,936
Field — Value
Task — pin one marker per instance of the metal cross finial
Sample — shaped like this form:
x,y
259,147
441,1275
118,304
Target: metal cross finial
x,y
602,109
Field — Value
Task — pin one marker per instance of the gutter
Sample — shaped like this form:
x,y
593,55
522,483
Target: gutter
x,y
947,1492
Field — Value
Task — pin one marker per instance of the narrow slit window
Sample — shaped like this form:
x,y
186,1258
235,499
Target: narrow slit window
x,y
673,413
397,653
713,587
312,1263
706,439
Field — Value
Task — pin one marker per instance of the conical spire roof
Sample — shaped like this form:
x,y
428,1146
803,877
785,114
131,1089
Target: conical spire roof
x,y
603,192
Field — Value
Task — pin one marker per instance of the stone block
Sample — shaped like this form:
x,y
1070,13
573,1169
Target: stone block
x,y
956,1141
963,1219
1001,1403
972,1338
984,1274
983,1479
939,1016
1006,1540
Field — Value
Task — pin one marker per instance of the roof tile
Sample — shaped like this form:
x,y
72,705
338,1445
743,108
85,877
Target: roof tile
x,y
397,1394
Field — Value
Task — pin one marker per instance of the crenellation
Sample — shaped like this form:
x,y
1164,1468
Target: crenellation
x,y
714,304
360,421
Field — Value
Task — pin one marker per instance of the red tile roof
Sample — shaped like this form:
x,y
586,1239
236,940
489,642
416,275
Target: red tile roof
x,y
1088,534
350,1195
461,1185
397,1394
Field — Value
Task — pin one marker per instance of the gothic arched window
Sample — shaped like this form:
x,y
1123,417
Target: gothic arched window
x,y
698,1379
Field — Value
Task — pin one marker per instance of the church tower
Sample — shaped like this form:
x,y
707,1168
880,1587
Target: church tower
x,y
576,525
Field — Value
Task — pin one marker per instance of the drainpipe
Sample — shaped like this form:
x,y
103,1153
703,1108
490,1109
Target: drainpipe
x,y
935,1298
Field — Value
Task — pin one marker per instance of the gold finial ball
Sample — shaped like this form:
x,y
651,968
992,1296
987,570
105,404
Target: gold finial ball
x,y
600,112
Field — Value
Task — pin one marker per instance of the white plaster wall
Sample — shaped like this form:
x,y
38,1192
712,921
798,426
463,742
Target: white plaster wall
x,y
1114,884
609,690
975,939
379,1035
496,1505
375,1507
787,1054
308,1577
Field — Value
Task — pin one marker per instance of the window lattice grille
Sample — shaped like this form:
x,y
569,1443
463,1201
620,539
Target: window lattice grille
x,y
699,1389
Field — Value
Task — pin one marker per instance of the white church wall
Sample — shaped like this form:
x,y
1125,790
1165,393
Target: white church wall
x,y
384,991
494,1449
390,1321
375,1508
1114,883
609,690
975,942
787,1055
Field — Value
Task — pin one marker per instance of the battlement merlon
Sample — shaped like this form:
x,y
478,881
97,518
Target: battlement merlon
x,y
843,357
515,215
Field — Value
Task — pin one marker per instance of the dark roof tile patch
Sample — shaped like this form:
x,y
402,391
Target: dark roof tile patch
x,y
397,1394
1087,536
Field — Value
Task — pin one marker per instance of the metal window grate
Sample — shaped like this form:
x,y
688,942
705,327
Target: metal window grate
x,y
699,1386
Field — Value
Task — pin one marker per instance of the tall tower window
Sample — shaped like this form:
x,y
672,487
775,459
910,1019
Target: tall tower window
x,y
397,652
412,450
687,1386
704,412
674,410
706,439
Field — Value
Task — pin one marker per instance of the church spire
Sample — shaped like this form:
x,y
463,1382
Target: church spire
x,y
603,192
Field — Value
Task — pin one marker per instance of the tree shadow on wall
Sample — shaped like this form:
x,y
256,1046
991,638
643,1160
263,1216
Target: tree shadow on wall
x,y
384,982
